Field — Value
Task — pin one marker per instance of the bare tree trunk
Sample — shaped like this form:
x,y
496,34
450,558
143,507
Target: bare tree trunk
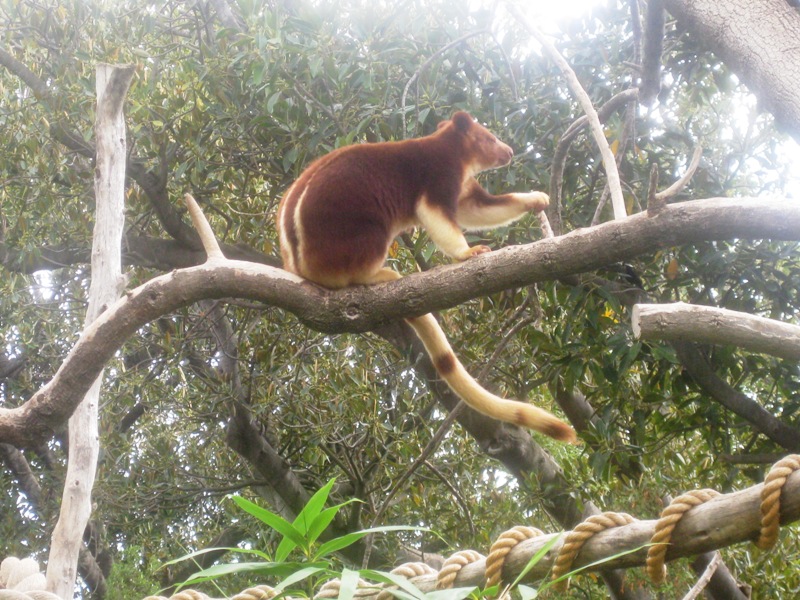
x,y
758,41
67,540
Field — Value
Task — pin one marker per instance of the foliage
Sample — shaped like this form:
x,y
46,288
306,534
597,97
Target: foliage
x,y
130,578
319,560
233,114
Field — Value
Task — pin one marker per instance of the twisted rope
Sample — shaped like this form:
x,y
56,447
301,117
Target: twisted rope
x,y
190,595
451,567
22,580
260,592
771,499
500,549
408,570
330,589
575,539
666,524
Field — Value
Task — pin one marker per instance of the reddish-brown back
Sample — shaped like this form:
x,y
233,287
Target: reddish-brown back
x,y
338,219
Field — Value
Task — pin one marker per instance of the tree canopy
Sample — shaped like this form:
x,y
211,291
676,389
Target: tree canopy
x,y
231,393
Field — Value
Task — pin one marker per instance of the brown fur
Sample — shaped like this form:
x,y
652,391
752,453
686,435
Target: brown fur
x,y
337,220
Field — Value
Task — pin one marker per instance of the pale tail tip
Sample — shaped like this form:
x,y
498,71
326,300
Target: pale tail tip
x,y
547,424
561,432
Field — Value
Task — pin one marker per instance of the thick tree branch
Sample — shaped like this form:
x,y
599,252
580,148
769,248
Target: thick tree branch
x,y
683,323
112,84
710,325
758,41
735,401
363,309
32,80
155,187
723,521
19,466
722,585
652,47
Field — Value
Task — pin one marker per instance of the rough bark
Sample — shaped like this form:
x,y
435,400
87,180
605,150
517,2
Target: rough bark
x,y
652,47
722,585
19,466
758,42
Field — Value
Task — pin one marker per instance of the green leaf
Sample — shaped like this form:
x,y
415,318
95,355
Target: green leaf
x,y
423,114
348,584
313,507
344,541
322,521
276,522
273,100
302,574
271,569
596,563
207,550
305,520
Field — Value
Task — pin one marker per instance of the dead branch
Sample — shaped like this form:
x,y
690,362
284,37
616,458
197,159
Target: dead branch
x,y
709,325
676,187
565,141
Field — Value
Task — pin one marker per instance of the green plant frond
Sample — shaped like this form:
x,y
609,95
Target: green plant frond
x,y
272,569
207,550
344,541
276,522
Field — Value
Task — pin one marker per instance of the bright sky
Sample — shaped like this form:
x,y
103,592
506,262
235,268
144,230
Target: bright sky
x,y
547,15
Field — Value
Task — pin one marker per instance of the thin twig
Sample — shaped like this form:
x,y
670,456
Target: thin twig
x,y
565,141
433,57
456,495
502,344
676,187
432,445
609,161
701,584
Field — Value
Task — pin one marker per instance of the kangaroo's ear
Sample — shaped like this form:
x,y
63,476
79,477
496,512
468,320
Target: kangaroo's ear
x,y
462,121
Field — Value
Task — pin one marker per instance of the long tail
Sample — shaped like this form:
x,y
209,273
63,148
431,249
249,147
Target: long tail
x,y
470,391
